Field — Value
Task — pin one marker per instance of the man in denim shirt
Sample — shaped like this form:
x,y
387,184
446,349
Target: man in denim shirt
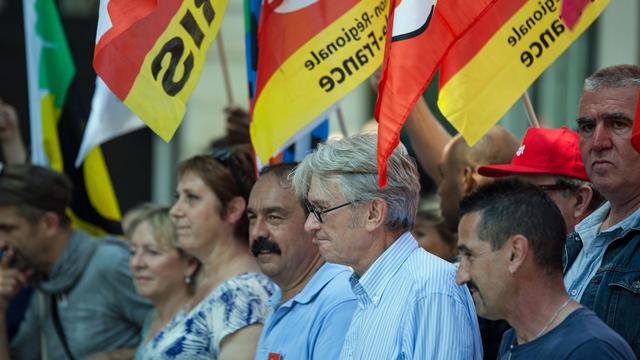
x,y
603,255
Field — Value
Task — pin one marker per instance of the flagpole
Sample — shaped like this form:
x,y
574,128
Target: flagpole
x,y
533,119
343,125
225,69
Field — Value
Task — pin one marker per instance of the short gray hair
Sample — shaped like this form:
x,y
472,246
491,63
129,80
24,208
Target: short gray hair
x,y
616,76
352,161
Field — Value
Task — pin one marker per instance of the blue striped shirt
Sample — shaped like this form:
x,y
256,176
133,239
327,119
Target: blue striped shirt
x,y
409,307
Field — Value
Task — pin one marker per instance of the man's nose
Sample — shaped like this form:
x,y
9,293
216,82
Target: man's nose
x,y
311,224
601,137
462,275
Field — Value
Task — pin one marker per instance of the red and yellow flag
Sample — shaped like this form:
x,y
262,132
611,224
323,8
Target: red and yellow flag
x,y
492,64
150,53
311,54
421,34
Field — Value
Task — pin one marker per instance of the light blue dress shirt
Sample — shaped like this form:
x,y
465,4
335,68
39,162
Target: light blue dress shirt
x,y
409,307
594,245
312,324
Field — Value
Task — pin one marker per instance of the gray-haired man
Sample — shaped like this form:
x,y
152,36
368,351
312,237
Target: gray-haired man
x,y
409,304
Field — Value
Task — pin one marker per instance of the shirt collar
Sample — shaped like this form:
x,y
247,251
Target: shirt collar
x,y
370,287
589,227
320,279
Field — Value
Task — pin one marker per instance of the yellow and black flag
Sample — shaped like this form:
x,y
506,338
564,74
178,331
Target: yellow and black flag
x,y
57,119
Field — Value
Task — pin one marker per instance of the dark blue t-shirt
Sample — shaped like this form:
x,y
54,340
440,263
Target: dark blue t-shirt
x,y
582,335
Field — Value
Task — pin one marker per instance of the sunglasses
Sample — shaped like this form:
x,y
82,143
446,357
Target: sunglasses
x,y
318,213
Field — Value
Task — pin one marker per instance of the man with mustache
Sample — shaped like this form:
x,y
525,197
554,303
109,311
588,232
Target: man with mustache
x,y
314,305
602,271
511,242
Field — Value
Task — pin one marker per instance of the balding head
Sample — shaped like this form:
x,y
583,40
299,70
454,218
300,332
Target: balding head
x,y
460,163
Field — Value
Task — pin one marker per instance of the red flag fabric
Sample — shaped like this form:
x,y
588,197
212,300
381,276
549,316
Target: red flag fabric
x,y
571,11
419,35
635,134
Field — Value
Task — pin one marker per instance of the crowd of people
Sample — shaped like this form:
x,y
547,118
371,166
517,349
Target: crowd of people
x,y
531,250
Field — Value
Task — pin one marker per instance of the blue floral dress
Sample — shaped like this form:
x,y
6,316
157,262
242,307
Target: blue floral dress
x,y
238,302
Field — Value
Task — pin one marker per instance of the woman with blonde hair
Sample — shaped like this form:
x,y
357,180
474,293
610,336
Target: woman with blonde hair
x,y
161,272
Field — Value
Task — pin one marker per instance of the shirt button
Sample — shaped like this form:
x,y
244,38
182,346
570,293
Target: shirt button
x,y
573,292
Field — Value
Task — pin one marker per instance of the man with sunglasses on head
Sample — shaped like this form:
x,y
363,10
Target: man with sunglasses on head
x,y
314,303
511,242
409,306
550,159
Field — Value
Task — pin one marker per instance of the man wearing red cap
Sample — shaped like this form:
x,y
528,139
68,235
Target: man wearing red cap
x,y
603,255
550,159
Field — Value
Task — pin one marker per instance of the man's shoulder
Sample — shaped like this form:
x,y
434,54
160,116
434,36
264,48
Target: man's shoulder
x,y
430,271
337,289
112,254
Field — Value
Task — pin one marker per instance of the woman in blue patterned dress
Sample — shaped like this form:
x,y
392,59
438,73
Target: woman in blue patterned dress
x,y
161,272
224,318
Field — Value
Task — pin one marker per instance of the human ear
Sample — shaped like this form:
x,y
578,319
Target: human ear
x,y
517,251
583,196
469,181
235,209
376,214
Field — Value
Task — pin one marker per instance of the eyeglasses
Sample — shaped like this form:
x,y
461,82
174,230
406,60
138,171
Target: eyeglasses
x,y
318,213
558,186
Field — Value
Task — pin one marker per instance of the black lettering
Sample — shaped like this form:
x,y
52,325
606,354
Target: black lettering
x,y
326,83
558,27
526,58
207,10
549,36
368,47
340,43
512,40
345,65
366,19
374,41
189,23
537,46
340,72
309,65
537,15
362,57
175,49
530,24
331,48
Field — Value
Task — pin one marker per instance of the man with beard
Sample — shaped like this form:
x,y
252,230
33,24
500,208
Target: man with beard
x,y
84,301
314,305
511,241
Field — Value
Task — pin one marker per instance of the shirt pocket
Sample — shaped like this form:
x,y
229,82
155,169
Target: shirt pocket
x,y
624,306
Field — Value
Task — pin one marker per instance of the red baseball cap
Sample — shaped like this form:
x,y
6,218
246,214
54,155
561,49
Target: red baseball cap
x,y
543,151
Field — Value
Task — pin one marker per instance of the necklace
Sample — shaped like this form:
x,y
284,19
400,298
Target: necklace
x,y
553,318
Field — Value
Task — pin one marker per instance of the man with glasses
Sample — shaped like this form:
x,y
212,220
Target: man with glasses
x,y
603,255
511,241
550,158
408,303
